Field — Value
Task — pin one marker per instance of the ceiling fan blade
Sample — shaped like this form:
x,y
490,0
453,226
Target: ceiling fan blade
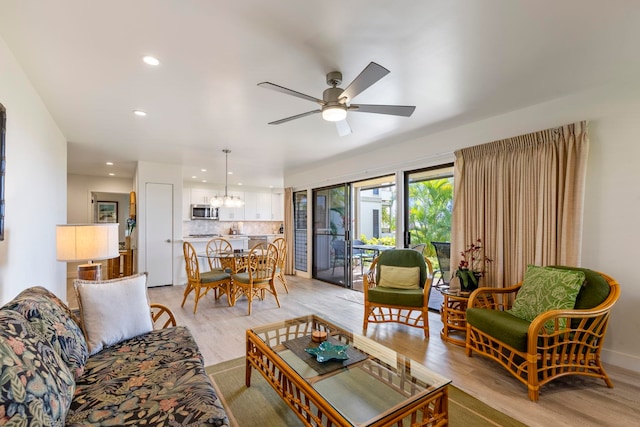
x,y
268,85
297,116
371,74
343,128
394,110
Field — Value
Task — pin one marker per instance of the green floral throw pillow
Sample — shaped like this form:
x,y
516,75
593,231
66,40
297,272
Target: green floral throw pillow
x,y
545,289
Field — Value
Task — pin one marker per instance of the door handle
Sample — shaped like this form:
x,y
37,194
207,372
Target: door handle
x,y
168,240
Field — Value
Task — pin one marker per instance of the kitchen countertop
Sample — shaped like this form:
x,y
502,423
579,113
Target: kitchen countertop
x,y
207,238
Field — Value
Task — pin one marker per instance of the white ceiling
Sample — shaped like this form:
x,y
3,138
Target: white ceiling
x,y
457,61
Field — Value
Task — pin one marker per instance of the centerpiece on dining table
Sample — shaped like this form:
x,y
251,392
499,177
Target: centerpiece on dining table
x,y
472,266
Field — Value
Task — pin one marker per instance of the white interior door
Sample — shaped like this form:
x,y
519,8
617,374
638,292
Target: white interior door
x,y
159,242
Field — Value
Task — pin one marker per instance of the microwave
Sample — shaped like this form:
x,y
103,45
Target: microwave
x,y
204,212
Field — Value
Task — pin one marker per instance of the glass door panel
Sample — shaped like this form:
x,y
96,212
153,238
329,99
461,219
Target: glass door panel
x,y
374,224
429,203
428,207
300,230
330,235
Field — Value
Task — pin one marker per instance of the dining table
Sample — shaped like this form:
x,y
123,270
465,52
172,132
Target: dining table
x,y
232,261
376,249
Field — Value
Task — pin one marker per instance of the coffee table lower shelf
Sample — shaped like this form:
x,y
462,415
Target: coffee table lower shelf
x,y
313,409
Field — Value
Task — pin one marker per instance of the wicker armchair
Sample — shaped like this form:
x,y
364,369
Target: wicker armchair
x,y
533,352
388,304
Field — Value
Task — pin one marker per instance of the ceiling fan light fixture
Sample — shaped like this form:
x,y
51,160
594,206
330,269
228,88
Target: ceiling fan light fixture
x,y
334,113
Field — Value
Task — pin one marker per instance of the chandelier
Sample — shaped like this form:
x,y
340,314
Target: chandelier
x,y
226,200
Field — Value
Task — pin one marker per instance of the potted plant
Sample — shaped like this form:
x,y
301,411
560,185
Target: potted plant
x,y
472,266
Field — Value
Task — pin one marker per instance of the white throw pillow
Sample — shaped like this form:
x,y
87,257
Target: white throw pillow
x,y
113,310
399,277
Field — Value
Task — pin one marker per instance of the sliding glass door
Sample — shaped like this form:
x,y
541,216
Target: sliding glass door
x,y
331,233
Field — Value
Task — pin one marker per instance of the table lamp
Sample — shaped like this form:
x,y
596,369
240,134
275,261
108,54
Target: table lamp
x,y
87,242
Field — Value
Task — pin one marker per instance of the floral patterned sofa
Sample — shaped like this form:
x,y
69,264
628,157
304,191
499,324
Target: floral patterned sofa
x,y
48,378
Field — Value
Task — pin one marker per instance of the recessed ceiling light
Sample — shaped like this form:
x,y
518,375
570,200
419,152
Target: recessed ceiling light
x,y
239,183
112,174
109,163
151,60
193,177
229,173
204,180
203,170
139,113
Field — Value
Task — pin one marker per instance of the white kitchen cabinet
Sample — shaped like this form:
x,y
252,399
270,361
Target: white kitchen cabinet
x,y
277,207
257,206
232,214
202,196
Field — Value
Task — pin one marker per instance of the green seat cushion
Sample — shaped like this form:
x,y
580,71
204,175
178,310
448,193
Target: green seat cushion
x,y
544,289
402,258
392,296
244,278
501,325
214,276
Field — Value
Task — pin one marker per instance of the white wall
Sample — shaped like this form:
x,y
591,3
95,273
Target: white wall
x,y
610,235
79,188
35,187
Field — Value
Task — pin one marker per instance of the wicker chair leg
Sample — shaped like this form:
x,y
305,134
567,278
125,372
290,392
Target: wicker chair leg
x,y
188,289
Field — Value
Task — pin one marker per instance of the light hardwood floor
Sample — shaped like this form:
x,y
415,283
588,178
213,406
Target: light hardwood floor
x,y
572,401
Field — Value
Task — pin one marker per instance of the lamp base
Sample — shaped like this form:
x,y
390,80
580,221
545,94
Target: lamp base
x,y
90,272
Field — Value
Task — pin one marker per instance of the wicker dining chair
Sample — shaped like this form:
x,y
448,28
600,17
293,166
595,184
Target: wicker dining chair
x,y
215,247
281,244
201,283
258,277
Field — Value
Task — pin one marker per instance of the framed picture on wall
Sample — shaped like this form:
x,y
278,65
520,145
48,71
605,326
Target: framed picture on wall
x,y
107,212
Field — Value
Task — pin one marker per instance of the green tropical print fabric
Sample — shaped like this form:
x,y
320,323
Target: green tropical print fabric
x,y
545,289
53,319
36,386
155,379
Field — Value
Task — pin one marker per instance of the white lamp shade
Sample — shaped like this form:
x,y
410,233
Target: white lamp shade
x,y
84,242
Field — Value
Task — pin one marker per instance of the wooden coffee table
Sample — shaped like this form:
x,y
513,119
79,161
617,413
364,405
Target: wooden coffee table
x,y
374,386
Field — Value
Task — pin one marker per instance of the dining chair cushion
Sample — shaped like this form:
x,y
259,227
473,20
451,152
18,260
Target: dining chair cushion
x,y
399,277
545,289
393,296
213,276
113,310
244,278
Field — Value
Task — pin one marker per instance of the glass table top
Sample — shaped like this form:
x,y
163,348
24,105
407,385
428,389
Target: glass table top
x,y
373,381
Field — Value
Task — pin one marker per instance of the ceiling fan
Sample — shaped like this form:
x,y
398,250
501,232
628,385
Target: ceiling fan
x,y
336,101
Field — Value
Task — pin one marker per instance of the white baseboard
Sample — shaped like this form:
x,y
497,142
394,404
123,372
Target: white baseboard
x,y
623,360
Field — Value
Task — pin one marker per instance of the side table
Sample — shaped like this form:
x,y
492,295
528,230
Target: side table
x,y
454,315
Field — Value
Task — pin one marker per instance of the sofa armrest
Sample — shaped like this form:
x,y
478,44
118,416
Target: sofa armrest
x,y
493,298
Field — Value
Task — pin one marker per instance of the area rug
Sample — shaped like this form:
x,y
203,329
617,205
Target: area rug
x,y
260,405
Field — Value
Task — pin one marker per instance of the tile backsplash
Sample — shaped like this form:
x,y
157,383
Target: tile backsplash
x,y
224,227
